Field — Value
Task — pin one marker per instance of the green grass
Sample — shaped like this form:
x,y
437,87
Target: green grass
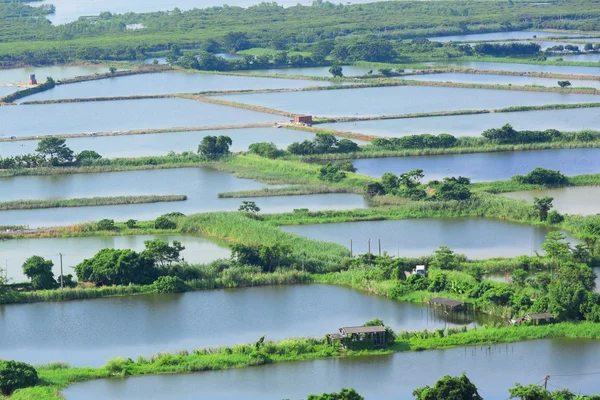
x,y
88,202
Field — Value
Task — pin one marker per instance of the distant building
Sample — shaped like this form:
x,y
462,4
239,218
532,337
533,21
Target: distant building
x,y
303,119
32,80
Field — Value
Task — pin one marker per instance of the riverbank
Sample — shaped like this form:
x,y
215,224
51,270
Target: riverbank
x,y
55,377
88,202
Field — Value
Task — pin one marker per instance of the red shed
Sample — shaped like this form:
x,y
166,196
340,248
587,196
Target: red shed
x,y
303,119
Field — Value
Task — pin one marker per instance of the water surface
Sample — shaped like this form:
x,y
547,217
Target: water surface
x,y
473,125
481,167
493,369
159,144
476,238
500,35
123,115
583,200
500,80
593,57
13,253
555,69
201,185
347,70
89,332
402,100
57,72
167,83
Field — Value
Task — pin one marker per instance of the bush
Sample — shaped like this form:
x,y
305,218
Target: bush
x,y
169,284
542,176
554,217
163,222
16,375
106,224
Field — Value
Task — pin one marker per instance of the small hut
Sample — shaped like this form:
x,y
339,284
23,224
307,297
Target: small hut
x,y
447,303
32,80
536,318
359,334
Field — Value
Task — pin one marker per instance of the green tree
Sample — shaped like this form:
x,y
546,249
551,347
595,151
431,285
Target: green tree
x,y
543,205
162,253
131,223
506,134
555,247
249,207
331,173
563,84
274,255
213,146
117,267
16,375
324,143
39,270
112,70
105,224
303,148
346,146
449,388
518,276
444,258
452,189
169,284
264,149
55,150
336,71
344,394
390,182
236,41
529,392
164,222
87,156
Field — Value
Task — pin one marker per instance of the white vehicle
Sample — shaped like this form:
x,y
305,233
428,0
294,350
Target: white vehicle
x,y
420,270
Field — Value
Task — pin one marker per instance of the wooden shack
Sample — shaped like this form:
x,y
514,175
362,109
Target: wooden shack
x,y
32,80
536,318
359,334
447,303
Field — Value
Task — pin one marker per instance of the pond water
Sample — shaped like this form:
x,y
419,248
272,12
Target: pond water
x,y
123,115
556,69
499,80
4,90
347,70
473,125
583,200
500,35
201,185
493,369
158,144
57,72
595,57
482,167
89,332
401,100
476,238
13,253
167,83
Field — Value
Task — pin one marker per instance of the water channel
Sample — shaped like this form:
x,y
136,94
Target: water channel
x,y
201,185
123,115
476,238
500,35
555,69
473,125
486,166
493,369
13,253
89,332
402,100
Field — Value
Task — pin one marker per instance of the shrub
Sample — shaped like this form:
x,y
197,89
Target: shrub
x,y
16,375
169,284
554,217
131,223
105,224
163,222
116,365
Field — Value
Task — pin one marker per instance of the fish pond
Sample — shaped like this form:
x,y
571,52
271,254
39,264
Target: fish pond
x,y
494,369
159,144
13,253
89,332
476,238
201,185
347,70
56,72
555,69
583,200
122,115
167,83
402,100
500,36
574,119
481,167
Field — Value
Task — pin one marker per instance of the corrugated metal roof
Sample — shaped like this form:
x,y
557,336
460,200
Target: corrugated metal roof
x,y
446,302
362,329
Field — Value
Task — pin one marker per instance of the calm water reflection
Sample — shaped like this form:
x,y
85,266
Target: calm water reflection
x,y
522,67
108,116
499,80
477,238
500,35
92,331
13,253
347,70
56,72
159,144
201,185
474,125
493,370
574,200
486,166
402,100
167,83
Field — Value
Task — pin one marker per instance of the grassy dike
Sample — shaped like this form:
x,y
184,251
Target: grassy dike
x,y
55,377
88,202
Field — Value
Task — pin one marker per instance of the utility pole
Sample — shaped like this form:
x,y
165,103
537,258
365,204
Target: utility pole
x,y
61,272
350,248
380,247
546,381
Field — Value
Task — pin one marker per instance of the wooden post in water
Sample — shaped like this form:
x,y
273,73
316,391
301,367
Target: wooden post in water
x,y
380,247
350,248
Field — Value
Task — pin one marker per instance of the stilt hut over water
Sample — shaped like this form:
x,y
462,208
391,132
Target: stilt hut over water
x,y
447,303
374,335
